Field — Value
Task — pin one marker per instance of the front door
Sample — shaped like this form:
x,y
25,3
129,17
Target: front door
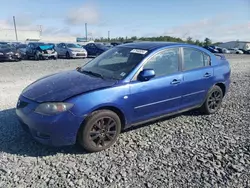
x,y
161,94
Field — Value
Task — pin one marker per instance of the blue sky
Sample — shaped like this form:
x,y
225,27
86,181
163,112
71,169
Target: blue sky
x,y
218,19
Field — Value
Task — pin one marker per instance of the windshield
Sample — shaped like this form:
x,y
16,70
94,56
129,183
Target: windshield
x,y
38,44
115,63
101,46
73,46
5,46
22,46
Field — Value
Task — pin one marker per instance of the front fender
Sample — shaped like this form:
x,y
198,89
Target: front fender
x,y
115,97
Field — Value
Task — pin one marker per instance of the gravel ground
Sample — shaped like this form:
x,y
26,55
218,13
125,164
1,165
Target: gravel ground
x,y
189,150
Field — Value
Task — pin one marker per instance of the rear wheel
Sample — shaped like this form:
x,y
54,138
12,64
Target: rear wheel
x,y
213,101
99,131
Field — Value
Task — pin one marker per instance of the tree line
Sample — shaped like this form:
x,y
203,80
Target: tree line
x,y
189,40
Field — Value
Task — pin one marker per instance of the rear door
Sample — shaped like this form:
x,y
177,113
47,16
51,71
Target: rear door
x,y
59,49
161,94
198,77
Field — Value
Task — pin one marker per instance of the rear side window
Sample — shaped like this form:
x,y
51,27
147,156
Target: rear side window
x,y
194,59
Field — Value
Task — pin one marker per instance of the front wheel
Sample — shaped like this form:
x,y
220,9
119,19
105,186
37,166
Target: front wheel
x,y
213,101
37,56
67,55
100,130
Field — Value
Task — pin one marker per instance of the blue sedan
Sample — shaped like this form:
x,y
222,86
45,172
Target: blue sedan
x,y
95,49
125,86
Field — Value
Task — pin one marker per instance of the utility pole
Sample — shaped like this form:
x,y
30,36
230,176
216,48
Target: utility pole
x,y
14,21
108,35
40,29
86,31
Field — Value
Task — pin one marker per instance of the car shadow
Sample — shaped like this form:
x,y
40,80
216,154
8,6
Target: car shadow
x,y
14,140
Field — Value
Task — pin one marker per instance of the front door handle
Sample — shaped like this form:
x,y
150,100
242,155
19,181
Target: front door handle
x,y
207,75
175,81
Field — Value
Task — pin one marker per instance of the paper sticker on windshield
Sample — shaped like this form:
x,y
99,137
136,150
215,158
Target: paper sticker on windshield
x,y
138,51
123,74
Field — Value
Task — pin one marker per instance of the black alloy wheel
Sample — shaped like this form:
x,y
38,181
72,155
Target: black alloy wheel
x,y
99,131
103,131
213,101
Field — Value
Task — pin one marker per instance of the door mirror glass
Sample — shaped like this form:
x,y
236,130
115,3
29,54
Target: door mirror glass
x,y
146,74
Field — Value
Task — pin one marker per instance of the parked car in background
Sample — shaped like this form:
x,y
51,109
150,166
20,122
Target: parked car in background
x,y
95,49
40,51
71,50
15,44
248,52
128,85
9,53
21,48
223,50
1,43
244,51
235,51
211,49
115,43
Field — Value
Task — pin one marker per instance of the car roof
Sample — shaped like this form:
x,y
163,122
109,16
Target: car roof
x,y
150,45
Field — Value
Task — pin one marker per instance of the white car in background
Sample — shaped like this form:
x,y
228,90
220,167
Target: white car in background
x,y
235,51
225,51
70,50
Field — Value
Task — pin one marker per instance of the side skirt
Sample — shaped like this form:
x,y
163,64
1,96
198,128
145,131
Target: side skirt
x,y
163,116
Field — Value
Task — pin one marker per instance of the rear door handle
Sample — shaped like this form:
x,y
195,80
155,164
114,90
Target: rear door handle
x,y
175,81
207,75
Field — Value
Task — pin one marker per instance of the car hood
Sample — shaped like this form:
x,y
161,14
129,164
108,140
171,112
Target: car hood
x,y
64,85
77,49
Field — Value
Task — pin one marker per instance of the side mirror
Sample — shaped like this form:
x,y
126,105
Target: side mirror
x,y
146,74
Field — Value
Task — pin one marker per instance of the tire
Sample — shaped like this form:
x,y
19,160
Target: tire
x,y
213,101
67,55
37,57
101,123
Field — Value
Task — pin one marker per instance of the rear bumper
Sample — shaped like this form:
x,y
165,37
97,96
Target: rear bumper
x,y
58,130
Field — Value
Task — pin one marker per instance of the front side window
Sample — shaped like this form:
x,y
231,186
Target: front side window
x,y
115,63
164,63
194,59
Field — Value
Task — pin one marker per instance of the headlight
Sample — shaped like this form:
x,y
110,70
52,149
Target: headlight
x,y
53,108
9,53
1,53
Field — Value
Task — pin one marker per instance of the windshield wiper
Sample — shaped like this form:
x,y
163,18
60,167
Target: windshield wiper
x,y
92,73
